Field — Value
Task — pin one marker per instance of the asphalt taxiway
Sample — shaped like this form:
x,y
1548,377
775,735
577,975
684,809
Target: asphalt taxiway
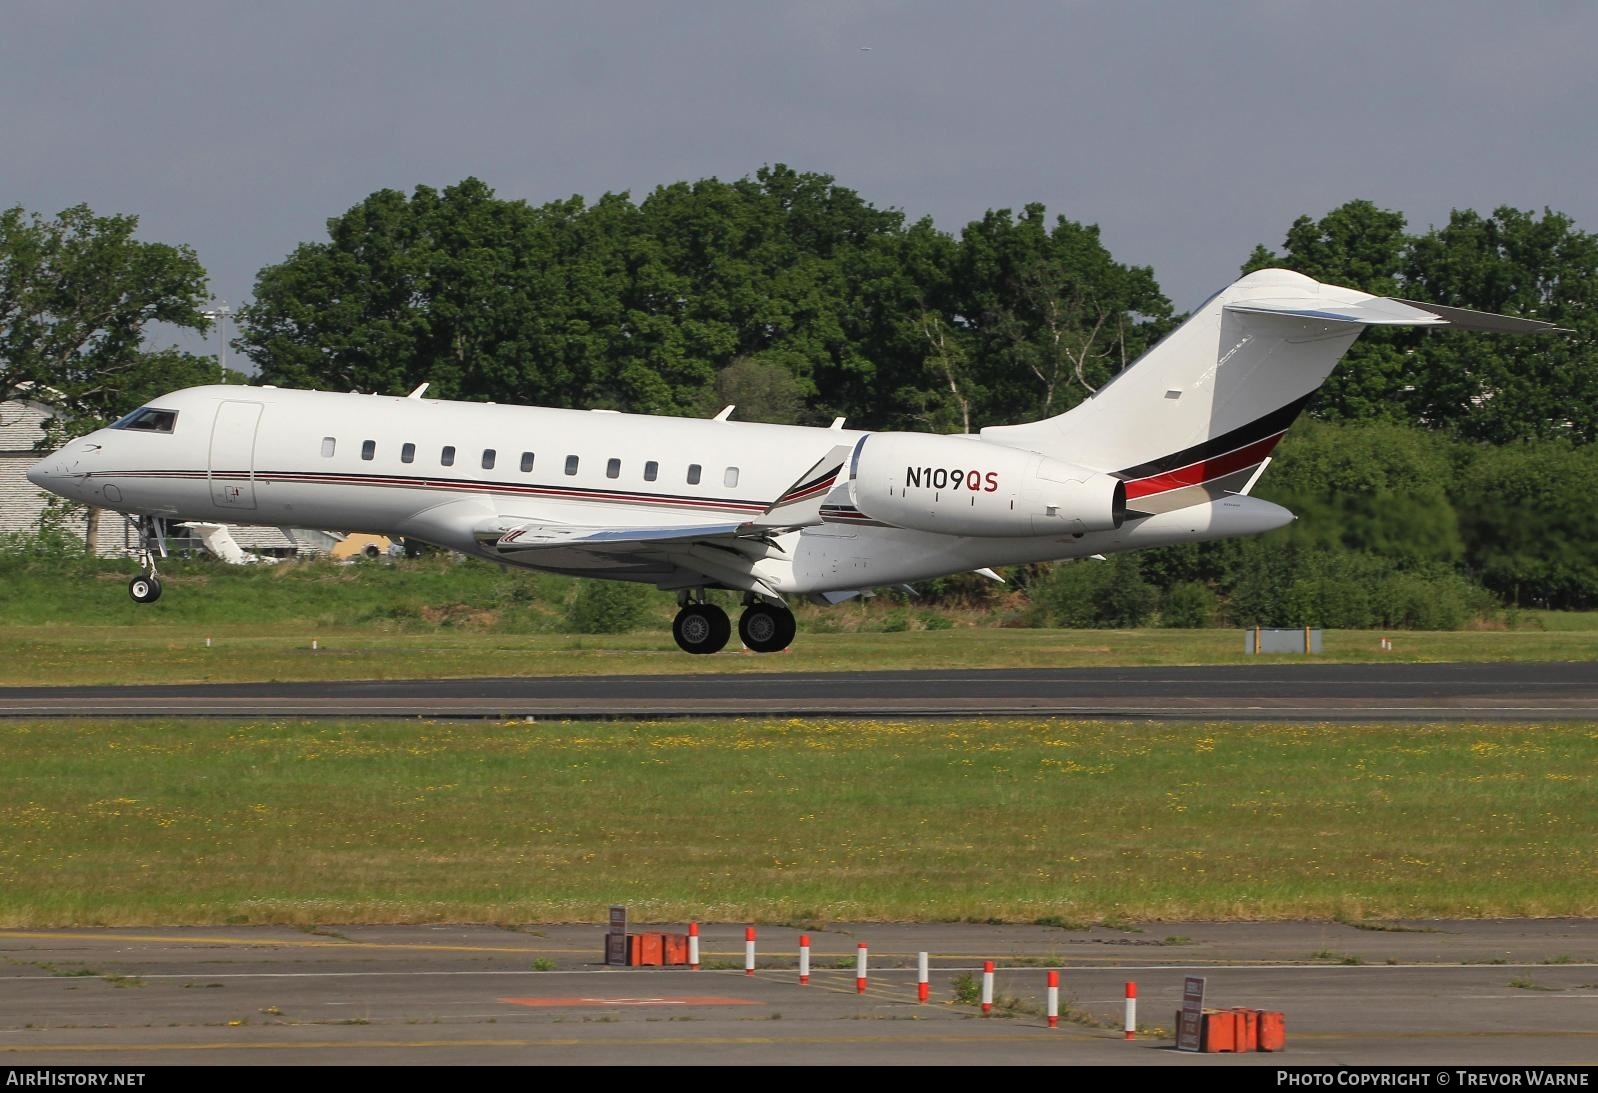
x,y
1484,993
1287,692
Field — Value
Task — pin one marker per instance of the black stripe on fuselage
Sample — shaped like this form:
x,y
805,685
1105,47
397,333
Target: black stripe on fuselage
x,y
1272,423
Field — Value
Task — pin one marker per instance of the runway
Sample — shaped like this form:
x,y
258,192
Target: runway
x,y
1481,993
1282,692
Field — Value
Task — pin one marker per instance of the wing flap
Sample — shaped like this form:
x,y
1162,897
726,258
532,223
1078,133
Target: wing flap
x,y
529,537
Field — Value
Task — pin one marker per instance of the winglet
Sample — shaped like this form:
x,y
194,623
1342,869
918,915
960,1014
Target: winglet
x,y
800,503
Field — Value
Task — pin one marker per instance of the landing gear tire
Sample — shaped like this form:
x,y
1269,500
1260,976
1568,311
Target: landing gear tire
x,y
766,629
145,588
701,628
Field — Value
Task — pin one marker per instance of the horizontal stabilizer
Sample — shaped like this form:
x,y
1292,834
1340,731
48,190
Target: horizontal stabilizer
x,y
1465,319
1372,311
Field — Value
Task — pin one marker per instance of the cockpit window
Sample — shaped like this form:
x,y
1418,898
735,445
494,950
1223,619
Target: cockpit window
x,y
147,419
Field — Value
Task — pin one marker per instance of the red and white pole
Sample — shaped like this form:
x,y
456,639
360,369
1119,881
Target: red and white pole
x,y
1054,999
923,983
804,959
693,946
860,969
987,986
749,950
1131,1009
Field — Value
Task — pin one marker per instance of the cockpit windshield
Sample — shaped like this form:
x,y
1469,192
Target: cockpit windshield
x,y
148,419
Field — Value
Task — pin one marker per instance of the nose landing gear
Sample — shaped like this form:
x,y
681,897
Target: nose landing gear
x,y
146,586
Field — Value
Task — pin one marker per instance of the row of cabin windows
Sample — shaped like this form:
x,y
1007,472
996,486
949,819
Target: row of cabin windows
x,y
446,457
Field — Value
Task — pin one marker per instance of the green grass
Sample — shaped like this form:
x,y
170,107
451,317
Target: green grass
x,y
64,654
71,622
148,822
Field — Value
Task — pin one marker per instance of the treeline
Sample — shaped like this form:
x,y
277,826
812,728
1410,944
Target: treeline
x,y
1437,466
783,293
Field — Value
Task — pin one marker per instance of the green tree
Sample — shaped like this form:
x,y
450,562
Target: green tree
x,y
1374,487
1529,522
1496,387
1051,316
617,305
77,296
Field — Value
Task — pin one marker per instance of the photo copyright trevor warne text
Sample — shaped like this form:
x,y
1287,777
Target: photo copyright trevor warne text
x,y
1436,1077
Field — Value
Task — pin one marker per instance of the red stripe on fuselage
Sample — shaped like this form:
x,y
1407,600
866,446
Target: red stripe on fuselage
x,y
1205,470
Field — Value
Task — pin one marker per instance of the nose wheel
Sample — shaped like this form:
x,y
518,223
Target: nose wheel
x,y
766,628
701,628
145,588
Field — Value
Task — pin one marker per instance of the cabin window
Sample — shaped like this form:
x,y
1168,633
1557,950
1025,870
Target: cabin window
x,y
147,419
447,456
488,459
651,471
571,464
527,462
693,474
368,449
407,453
328,445
731,477
613,468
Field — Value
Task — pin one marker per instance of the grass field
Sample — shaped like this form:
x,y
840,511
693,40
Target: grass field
x,y
71,622
797,822
65,654
147,822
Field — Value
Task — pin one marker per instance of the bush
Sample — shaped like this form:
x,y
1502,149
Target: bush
x,y
1092,594
1413,602
607,607
1189,605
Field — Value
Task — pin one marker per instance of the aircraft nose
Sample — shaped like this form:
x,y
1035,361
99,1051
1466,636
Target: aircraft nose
x,y
53,473
43,473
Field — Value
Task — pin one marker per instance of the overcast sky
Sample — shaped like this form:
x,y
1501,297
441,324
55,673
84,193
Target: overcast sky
x,y
1188,131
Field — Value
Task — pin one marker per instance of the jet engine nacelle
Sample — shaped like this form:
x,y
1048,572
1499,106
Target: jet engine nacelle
x,y
959,486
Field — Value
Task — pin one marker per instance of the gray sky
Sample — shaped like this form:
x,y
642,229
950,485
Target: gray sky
x,y
1188,131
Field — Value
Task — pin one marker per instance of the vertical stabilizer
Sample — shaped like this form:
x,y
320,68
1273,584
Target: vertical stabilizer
x,y
1197,415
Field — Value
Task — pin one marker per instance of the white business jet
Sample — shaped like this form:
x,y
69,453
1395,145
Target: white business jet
x,y
1166,453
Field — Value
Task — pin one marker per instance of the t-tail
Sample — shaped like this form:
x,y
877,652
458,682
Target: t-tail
x,y
1196,418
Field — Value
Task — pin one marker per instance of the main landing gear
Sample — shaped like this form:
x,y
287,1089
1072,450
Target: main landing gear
x,y
702,627
146,586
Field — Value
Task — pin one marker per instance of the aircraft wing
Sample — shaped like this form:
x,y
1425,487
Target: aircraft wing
x,y
675,556
531,537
